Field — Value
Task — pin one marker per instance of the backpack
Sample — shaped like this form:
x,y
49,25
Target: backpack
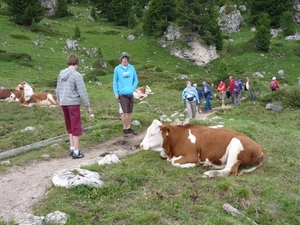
x,y
273,85
236,86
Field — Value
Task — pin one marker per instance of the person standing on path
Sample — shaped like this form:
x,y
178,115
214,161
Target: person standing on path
x,y
207,90
69,90
190,98
200,96
230,88
222,92
125,82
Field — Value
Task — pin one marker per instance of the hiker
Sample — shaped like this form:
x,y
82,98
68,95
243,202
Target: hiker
x,y
274,85
222,91
237,91
230,89
207,90
125,81
190,98
69,90
200,96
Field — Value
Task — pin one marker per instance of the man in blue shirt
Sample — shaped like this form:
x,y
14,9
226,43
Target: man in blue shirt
x,y
207,90
125,82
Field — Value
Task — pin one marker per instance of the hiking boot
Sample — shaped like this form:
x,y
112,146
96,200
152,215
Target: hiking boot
x,y
77,156
71,152
125,133
130,131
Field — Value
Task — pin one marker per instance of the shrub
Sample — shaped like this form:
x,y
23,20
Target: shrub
x,y
12,56
19,36
77,31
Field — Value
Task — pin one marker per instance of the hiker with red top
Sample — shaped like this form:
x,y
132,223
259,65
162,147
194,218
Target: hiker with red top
x,y
274,85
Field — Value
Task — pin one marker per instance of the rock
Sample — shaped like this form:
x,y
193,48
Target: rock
x,y
295,37
56,217
31,220
72,44
258,74
275,108
230,21
50,7
109,159
67,178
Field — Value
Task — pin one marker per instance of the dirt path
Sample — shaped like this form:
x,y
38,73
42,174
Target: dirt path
x,y
22,187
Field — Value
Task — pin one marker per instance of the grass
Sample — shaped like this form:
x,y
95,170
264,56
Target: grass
x,y
144,189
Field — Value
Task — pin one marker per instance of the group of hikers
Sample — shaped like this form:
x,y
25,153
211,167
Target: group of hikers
x,y
192,95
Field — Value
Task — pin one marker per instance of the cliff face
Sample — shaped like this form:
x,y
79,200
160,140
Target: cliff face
x,y
192,48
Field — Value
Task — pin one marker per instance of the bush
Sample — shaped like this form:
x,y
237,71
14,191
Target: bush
x,y
19,36
287,97
13,56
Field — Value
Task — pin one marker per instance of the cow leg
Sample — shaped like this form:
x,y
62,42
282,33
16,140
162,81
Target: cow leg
x,y
209,165
185,161
234,148
234,168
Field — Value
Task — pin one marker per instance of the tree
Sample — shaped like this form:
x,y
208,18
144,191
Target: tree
x,y
61,9
157,17
262,33
25,11
132,22
286,23
77,32
93,13
274,8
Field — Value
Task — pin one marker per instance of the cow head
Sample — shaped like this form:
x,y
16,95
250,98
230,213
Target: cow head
x,y
153,139
27,89
148,90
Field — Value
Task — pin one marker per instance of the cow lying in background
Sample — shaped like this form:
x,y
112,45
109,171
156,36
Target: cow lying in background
x,y
10,95
30,98
220,150
142,92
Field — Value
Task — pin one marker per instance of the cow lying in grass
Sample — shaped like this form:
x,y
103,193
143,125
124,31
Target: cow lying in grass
x,y
10,95
30,98
142,92
220,150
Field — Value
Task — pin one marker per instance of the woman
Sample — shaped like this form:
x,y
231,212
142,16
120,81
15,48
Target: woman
x,y
190,98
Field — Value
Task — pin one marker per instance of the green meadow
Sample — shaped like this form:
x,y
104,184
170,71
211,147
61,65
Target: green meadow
x,y
143,189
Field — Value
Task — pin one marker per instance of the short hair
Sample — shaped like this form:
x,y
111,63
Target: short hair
x,y
73,60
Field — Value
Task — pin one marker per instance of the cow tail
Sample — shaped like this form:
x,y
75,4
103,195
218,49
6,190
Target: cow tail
x,y
262,160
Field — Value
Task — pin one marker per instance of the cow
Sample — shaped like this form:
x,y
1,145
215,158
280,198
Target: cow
x,y
10,95
220,150
142,92
30,98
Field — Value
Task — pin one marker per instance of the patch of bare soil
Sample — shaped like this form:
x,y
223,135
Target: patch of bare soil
x,y
22,187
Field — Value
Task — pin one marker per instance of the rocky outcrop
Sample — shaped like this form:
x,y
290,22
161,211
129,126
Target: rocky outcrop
x,y
196,50
50,7
230,21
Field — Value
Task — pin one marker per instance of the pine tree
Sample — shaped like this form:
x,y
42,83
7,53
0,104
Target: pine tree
x,y
262,33
93,13
25,11
287,23
61,9
274,8
77,32
132,20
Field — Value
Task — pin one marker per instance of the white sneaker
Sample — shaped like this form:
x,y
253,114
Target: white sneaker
x,y
223,106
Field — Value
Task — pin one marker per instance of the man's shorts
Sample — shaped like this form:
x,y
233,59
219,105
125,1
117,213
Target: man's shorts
x,y
126,103
222,96
72,119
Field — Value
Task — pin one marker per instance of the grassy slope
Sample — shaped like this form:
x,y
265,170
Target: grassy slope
x,y
144,190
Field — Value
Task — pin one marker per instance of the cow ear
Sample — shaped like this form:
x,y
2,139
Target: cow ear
x,y
165,130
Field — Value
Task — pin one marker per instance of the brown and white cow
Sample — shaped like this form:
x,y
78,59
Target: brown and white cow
x,y
142,92
30,98
220,150
10,95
